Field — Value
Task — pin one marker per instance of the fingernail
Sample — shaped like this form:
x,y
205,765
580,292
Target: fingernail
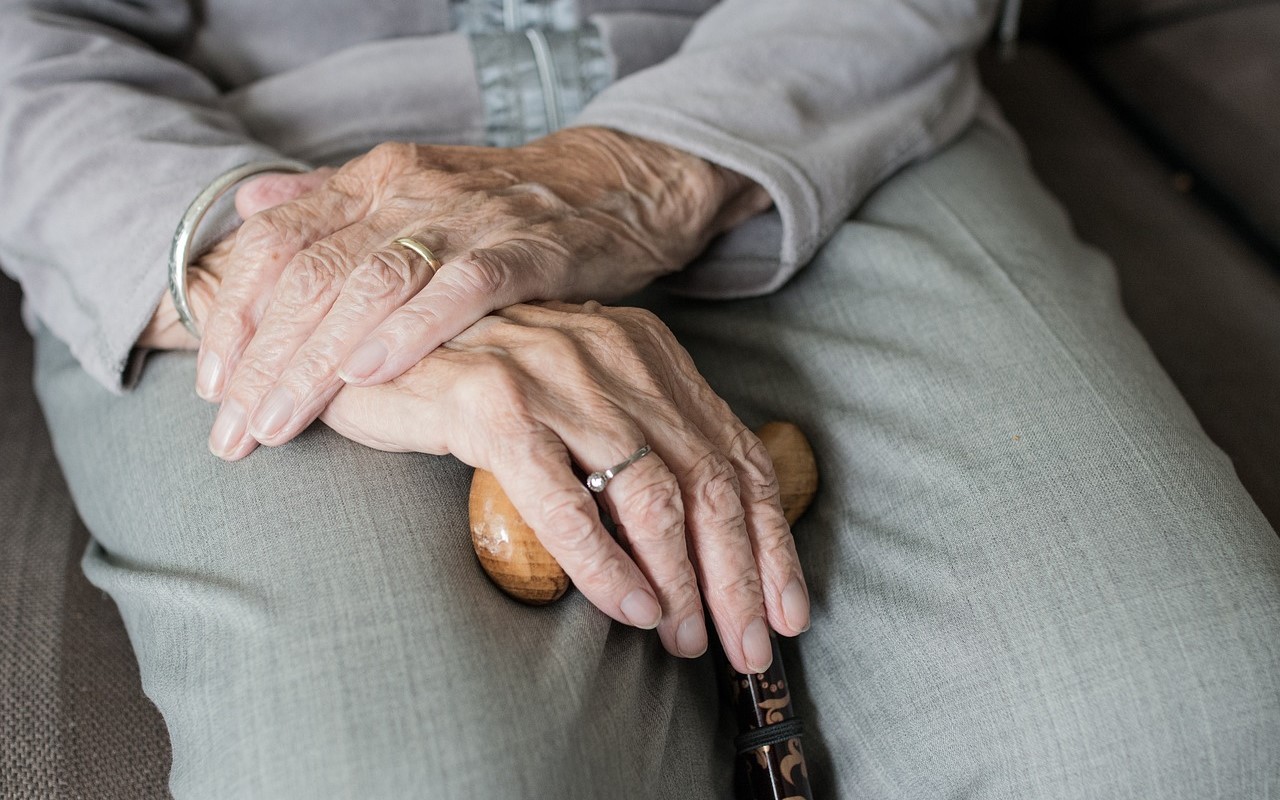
x,y
364,361
691,636
228,430
271,416
641,609
210,377
756,647
795,606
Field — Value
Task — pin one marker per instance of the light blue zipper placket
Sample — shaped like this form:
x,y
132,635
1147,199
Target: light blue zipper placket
x,y
535,80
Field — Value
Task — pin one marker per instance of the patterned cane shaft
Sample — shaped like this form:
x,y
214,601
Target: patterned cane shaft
x,y
770,763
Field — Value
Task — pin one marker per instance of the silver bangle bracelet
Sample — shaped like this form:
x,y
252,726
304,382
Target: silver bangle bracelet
x,y
180,250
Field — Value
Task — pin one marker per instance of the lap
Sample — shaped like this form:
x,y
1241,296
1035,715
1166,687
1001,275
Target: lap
x,y
1032,574
312,622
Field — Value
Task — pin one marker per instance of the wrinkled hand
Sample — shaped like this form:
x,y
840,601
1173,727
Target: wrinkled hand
x,y
532,390
318,294
165,331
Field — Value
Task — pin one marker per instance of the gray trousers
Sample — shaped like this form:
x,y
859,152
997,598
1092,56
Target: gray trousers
x,y
1033,575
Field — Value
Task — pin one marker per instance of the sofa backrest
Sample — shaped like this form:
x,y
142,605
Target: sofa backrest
x,y
1096,20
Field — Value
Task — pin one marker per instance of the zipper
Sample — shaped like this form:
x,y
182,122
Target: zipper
x,y
547,74
1007,32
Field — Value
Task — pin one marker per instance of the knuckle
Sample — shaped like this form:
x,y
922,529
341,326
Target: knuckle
x,y
390,156
251,376
268,188
742,592
229,326
269,237
309,278
262,232
657,512
407,323
776,551
480,273
609,331
687,591
505,205
313,367
382,276
495,390
613,332
568,514
716,485
528,201
225,318
630,317
554,346
758,478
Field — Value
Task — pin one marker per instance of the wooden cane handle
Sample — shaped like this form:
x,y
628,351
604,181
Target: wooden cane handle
x,y
512,556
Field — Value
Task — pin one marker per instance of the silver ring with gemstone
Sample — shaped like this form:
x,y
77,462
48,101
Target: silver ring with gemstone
x,y
596,481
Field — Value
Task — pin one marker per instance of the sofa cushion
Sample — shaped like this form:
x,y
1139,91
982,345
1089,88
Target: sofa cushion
x,y
1206,301
1209,90
1098,20
1108,18
73,719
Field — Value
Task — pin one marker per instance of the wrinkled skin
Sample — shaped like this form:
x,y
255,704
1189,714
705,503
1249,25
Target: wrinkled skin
x,y
532,389
525,392
318,294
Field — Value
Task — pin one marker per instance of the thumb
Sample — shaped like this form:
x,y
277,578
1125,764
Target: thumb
x,y
273,188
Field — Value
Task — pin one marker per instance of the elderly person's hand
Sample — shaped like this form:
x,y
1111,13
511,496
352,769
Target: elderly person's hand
x,y
165,330
534,389
317,293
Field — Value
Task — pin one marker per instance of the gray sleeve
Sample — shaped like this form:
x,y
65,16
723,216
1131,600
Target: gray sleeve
x,y
103,141
816,100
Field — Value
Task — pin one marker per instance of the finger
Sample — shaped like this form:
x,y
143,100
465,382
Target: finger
x,y
715,517
786,593
305,293
384,281
265,244
535,472
645,496
720,545
273,188
644,501
463,291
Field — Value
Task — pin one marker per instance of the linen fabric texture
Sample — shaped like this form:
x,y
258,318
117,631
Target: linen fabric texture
x,y
1033,575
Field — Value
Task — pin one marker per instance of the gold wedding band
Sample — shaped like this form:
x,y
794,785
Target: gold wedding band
x,y
422,250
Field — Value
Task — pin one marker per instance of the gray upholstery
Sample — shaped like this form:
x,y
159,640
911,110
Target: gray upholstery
x,y
1207,303
1109,18
1100,20
1207,89
73,721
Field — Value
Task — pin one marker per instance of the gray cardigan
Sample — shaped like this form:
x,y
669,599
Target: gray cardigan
x,y
115,113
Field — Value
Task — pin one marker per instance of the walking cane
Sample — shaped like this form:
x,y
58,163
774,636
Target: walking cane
x,y
770,763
